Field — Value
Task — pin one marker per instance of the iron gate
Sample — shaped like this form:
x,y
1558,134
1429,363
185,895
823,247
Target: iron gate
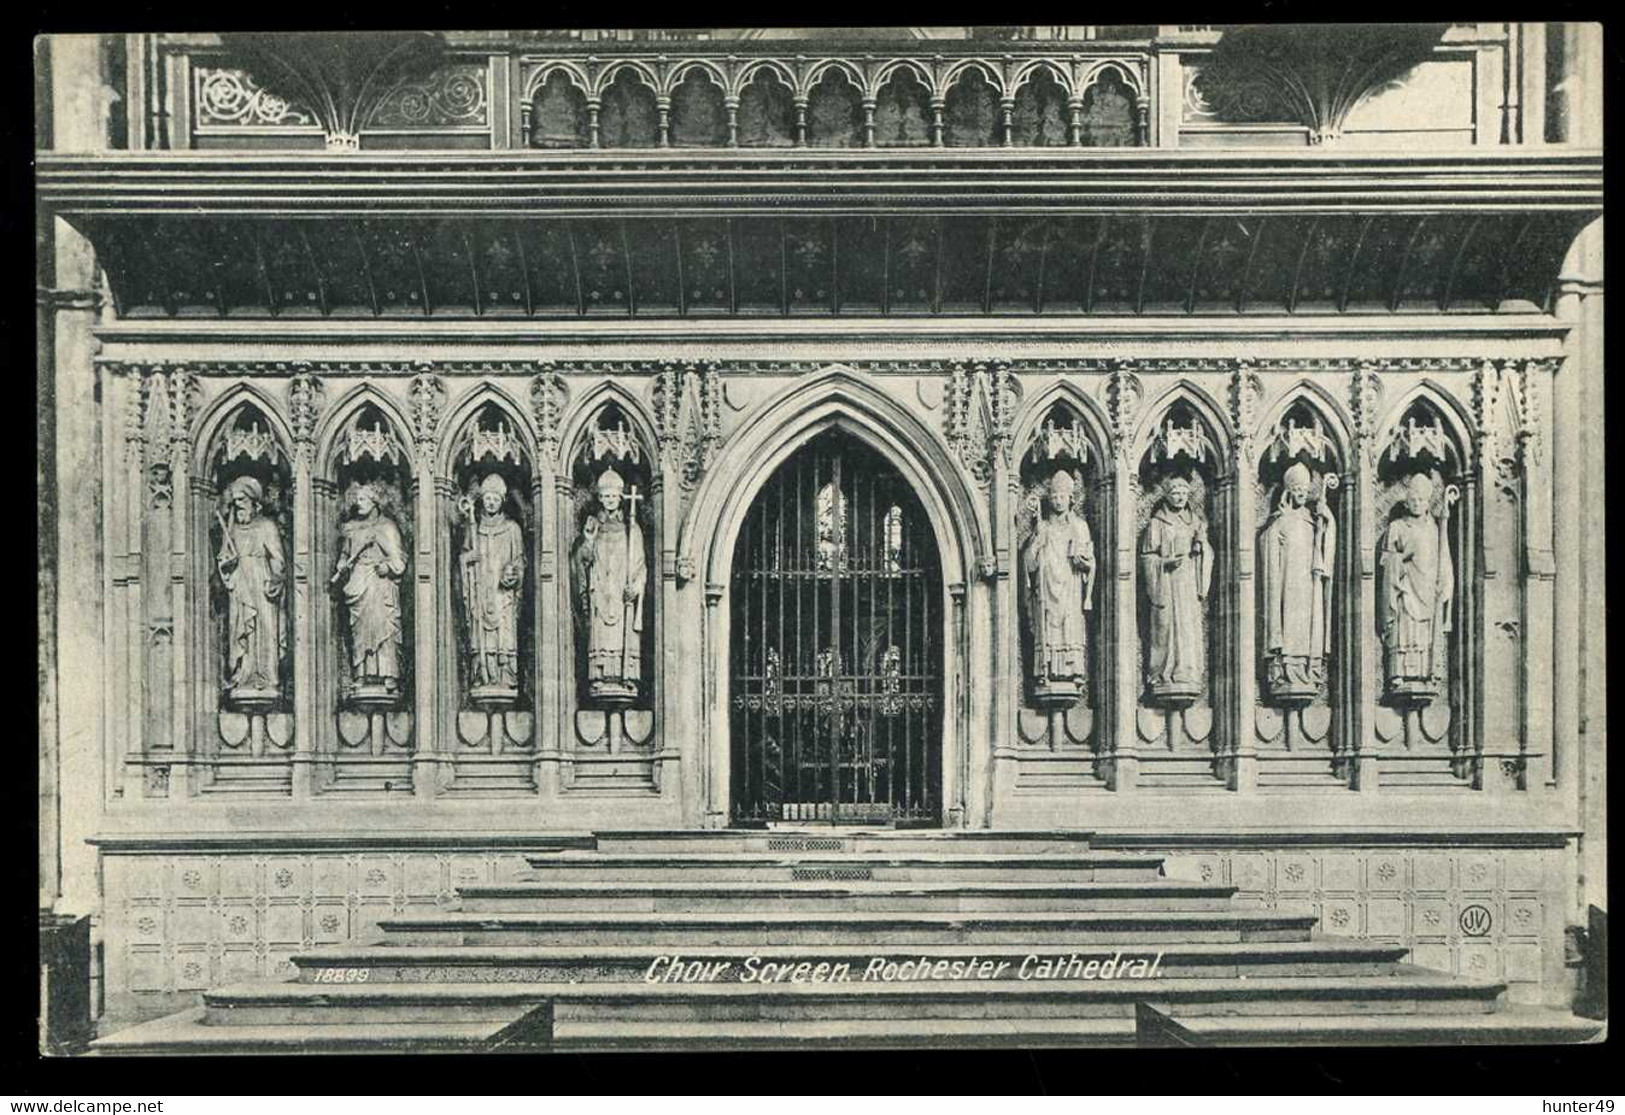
x,y
836,645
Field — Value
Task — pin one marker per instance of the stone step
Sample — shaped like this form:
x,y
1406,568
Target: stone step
x,y
301,1004
1520,1027
868,929
824,839
696,897
187,1032
630,964
785,867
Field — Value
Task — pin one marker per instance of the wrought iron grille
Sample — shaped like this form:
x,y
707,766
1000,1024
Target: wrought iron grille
x,y
837,645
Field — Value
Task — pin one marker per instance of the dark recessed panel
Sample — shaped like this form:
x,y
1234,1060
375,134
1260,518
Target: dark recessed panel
x,y
1476,281
964,264
241,283
861,263
392,252
337,253
1176,246
807,260
706,266
1020,244
758,264
1275,264
1118,262
501,269
1531,275
550,263
912,267
1433,249
1376,263
449,267
654,265
1326,263
1225,249
1066,264
288,263
605,280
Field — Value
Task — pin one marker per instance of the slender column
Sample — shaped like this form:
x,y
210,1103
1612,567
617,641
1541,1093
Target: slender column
x,y
79,101
1239,713
1538,570
1007,108
717,772
1074,126
309,589
937,106
127,625
731,106
594,138
1124,628
801,121
663,107
189,636
425,623
1363,653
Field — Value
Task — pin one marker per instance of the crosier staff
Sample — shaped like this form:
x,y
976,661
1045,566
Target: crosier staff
x,y
634,606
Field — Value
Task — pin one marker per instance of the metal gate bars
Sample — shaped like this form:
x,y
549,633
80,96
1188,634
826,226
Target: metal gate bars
x,y
837,643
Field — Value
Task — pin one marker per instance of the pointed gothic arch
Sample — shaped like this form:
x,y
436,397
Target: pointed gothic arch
x,y
583,412
836,398
218,413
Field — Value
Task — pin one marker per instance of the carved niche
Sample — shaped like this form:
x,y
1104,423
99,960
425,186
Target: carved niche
x,y
612,557
249,530
493,582
1418,577
1176,559
371,594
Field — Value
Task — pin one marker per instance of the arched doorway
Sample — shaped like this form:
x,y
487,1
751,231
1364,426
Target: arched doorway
x,y
837,645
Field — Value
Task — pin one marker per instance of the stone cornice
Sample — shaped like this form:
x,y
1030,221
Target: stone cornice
x,y
406,370
800,181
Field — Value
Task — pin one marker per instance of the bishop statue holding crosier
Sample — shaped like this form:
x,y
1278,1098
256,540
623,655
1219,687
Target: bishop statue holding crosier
x,y
1176,570
371,562
1416,588
1058,563
610,573
1296,549
493,574
252,566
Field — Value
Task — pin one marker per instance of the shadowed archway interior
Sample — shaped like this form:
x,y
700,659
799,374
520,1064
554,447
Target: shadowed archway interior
x,y
837,655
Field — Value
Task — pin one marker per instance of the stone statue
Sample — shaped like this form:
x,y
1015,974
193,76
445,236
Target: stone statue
x,y
1415,589
371,562
493,571
1295,551
1058,562
252,565
610,571
1176,568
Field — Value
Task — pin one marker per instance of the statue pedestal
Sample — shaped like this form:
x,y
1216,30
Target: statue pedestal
x,y
1173,694
1056,694
375,696
493,696
245,699
613,692
1410,692
1292,680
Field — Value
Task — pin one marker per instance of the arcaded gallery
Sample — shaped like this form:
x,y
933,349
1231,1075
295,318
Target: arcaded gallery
x,y
520,508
